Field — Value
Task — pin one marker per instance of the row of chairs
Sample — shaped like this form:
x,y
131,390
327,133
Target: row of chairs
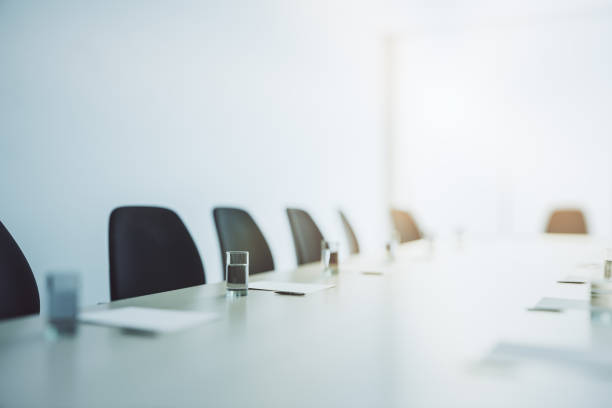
x,y
151,251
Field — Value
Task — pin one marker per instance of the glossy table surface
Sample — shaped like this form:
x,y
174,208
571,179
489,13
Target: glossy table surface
x,y
442,325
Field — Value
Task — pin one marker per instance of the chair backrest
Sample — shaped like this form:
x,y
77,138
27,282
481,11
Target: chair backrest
x,y
567,221
238,231
350,234
18,289
150,251
306,236
405,225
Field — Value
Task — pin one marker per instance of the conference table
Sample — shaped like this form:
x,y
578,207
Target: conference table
x,y
443,324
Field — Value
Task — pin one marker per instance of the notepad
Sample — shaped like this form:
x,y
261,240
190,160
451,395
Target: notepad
x,y
562,304
291,288
586,358
573,279
146,319
543,309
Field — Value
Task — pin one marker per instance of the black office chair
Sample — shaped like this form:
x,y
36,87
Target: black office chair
x,y
306,236
405,225
18,289
350,234
238,231
150,251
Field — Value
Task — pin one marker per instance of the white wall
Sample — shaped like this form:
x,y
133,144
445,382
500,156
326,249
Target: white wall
x,y
498,121
188,105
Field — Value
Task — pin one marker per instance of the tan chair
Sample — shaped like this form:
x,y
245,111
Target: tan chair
x,y
567,221
405,225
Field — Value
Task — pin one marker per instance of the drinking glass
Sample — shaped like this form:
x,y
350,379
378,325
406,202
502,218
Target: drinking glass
x,y
608,264
329,255
392,245
237,272
63,300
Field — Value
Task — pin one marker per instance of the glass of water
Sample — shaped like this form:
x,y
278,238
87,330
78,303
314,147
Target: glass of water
x,y
63,301
392,244
237,272
329,255
608,264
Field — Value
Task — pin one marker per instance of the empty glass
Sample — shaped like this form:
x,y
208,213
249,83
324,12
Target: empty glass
x,y
392,245
329,255
608,264
63,298
237,272
601,294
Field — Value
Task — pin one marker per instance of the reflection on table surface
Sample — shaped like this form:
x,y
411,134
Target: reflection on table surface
x,y
442,324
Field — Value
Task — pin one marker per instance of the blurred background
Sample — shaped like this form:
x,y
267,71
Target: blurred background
x,y
499,118
474,115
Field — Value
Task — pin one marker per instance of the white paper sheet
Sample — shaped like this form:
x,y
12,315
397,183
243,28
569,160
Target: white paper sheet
x,y
533,352
146,319
575,280
560,303
289,287
378,273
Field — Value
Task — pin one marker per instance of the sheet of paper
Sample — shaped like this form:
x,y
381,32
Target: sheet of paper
x,y
574,279
146,319
289,287
561,304
534,352
543,309
584,273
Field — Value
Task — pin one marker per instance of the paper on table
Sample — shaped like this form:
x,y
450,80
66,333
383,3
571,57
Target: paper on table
x,y
146,319
525,351
578,280
584,273
373,273
289,287
560,303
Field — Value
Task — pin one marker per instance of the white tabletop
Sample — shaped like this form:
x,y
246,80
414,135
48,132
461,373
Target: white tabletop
x,y
442,326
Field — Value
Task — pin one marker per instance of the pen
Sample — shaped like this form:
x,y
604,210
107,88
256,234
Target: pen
x,y
282,292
